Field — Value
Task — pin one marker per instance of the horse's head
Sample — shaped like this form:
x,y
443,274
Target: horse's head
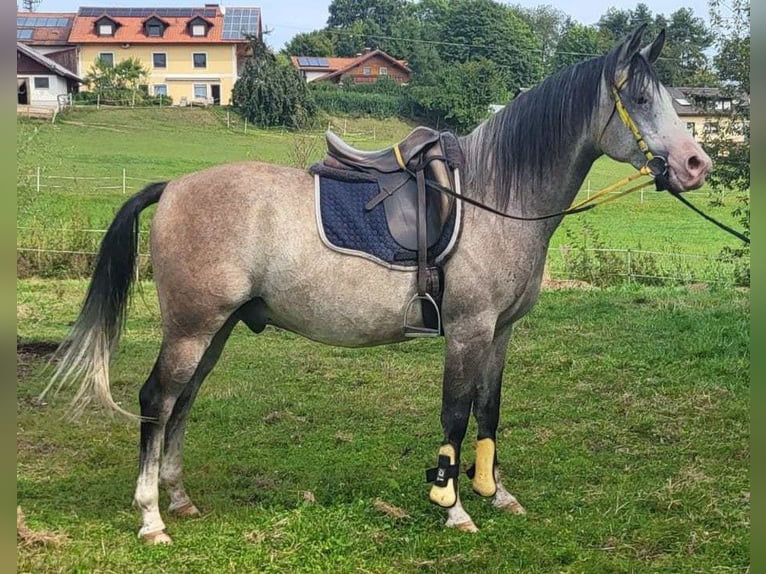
x,y
637,112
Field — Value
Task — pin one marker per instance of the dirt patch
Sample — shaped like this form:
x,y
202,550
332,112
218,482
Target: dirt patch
x,y
553,284
28,537
29,352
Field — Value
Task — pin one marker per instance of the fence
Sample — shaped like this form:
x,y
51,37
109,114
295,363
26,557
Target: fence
x,y
70,252
39,180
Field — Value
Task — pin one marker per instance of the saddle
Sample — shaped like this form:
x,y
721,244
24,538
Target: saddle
x,y
416,212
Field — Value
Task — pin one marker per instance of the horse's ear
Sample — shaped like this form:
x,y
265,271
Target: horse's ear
x,y
625,53
652,51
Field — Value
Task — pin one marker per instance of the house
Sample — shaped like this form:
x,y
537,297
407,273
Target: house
x,y
192,54
48,33
364,68
41,81
707,112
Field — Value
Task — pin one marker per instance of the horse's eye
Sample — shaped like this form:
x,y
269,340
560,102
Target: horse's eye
x,y
641,100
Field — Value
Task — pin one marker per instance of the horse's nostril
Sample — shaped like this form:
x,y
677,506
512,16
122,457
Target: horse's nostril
x,y
694,164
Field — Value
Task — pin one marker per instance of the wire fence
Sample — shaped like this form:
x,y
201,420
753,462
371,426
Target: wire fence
x,y
70,252
39,179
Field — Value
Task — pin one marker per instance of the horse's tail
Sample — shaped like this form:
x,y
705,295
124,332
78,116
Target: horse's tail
x,y
86,351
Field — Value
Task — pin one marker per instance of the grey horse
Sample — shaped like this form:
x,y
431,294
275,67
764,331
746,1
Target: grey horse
x,y
239,242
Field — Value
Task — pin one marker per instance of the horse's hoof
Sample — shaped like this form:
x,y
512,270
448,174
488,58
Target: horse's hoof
x,y
513,507
188,510
159,537
466,527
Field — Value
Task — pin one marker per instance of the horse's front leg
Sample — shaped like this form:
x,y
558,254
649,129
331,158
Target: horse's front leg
x,y
467,347
486,407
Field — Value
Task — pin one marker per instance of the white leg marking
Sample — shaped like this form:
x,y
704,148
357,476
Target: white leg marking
x,y
504,500
171,478
147,496
458,518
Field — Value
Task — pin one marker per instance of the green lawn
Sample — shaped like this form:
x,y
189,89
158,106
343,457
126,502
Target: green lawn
x,y
628,446
158,144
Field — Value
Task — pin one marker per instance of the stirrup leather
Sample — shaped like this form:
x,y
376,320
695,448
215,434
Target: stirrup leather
x,y
444,491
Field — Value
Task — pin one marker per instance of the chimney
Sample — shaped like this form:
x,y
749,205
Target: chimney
x,y
367,50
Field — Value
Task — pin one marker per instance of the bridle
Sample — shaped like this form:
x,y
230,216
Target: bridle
x,y
656,167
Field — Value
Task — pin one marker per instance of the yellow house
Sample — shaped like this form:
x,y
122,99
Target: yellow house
x,y
194,55
708,113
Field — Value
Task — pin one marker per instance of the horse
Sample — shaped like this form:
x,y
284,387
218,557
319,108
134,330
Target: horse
x,y
239,242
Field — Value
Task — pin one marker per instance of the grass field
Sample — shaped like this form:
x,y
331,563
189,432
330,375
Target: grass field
x,y
158,144
628,446
624,427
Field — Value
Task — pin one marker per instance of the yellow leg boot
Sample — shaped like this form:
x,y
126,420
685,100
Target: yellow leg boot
x,y
444,491
484,472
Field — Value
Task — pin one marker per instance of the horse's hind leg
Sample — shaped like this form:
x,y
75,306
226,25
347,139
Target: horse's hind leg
x,y
176,366
171,468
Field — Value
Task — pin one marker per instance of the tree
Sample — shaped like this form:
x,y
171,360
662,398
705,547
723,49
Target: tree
x,y
549,25
271,92
485,29
462,94
684,62
117,82
389,25
577,43
731,156
318,43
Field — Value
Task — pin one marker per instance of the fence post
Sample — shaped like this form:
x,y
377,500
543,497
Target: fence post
x,y
630,266
642,195
123,181
228,120
245,124
98,101
38,179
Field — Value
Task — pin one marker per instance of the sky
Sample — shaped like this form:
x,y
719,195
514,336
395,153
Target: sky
x,y
286,18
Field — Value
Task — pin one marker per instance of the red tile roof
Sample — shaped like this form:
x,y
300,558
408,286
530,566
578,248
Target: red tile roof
x,y
131,30
337,66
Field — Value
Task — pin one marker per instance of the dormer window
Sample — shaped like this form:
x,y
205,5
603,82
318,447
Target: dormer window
x,y
105,26
154,27
198,27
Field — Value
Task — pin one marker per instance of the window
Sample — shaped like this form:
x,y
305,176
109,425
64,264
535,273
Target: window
x,y
710,127
160,89
159,60
154,30
691,128
107,58
367,71
42,83
383,71
200,90
200,59
105,30
198,29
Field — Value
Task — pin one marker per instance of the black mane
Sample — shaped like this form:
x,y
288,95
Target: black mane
x,y
515,149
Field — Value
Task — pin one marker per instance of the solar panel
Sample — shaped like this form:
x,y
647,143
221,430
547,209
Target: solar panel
x,y
24,34
240,21
91,11
312,62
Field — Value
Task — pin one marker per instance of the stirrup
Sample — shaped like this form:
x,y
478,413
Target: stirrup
x,y
415,331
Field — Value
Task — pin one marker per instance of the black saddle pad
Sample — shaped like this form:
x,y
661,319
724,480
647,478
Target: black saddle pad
x,y
346,226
